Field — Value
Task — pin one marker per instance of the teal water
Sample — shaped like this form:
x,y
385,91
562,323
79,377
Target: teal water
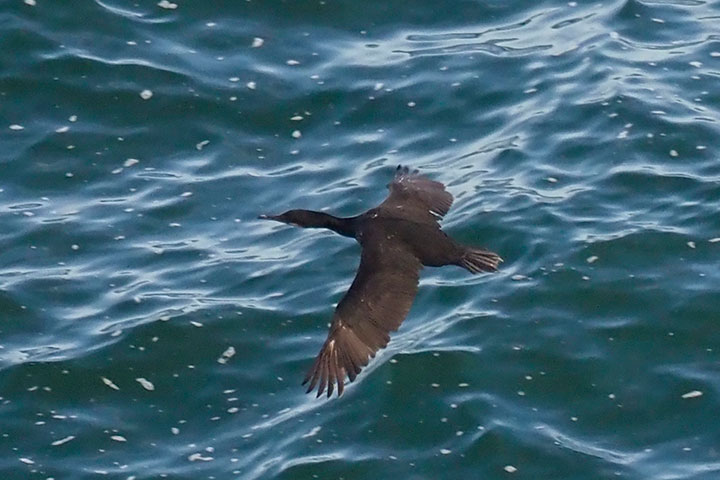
x,y
139,142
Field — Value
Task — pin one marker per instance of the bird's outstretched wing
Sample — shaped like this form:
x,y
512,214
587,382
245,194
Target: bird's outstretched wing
x,y
415,197
376,304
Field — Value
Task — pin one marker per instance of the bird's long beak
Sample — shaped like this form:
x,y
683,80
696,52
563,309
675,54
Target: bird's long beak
x,y
270,217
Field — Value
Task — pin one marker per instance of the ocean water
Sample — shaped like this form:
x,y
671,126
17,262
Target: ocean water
x,y
151,327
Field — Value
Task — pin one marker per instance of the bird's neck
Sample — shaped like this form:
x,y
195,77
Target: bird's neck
x,y
343,226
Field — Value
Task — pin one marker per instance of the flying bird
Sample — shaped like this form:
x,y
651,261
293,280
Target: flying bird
x,y
398,238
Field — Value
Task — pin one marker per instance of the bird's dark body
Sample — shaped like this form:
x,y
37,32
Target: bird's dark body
x,y
426,242
398,238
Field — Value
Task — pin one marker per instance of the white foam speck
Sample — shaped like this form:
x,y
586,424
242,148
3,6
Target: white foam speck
x,y
445,451
146,384
510,469
118,438
693,394
175,430
15,126
292,62
130,162
234,79
691,244
673,153
26,461
251,85
146,94
200,145
32,3
296,134
696,64
63,440
378,86
72,118
195,457
658,20
715,54
167,5
592,259
257,42
411,104
714,240
296,118
195,324
110,383
186,194
312,432
227,355
62,129
552,179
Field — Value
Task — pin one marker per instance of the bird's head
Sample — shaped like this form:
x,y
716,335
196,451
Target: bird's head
x,y
299,218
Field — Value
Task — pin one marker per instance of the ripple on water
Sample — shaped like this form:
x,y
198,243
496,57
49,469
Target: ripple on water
x,y
150,325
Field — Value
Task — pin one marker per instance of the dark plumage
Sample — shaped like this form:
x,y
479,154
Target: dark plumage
x,y
398,238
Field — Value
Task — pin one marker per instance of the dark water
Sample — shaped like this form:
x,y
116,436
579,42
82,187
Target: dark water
x,y
139,142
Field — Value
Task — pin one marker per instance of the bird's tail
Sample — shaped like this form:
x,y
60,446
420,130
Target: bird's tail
x,y
478,260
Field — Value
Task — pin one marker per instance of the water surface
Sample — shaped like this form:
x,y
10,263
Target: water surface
x,y
152,327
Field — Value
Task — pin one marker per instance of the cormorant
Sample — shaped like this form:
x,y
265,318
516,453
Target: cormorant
x,y
398,238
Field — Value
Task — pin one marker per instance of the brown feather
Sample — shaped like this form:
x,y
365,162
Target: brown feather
x,y
377,302
415,197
